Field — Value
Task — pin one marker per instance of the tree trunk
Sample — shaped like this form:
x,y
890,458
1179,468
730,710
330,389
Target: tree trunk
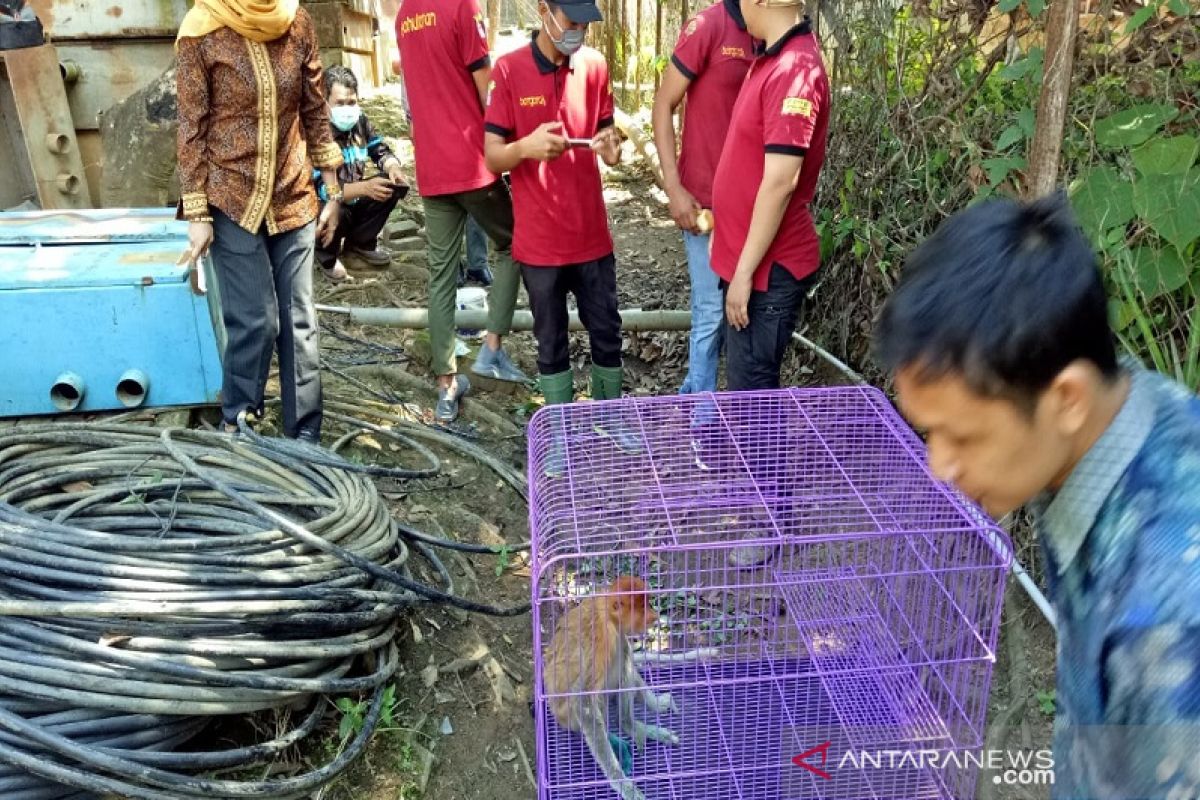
x,y
611,23
658,51
138,136
493,21
1044,151
637,52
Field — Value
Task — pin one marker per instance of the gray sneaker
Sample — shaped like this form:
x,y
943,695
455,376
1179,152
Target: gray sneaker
x,y
448,399
496,364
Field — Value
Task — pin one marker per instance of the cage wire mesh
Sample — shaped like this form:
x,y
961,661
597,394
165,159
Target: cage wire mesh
x,y
870,631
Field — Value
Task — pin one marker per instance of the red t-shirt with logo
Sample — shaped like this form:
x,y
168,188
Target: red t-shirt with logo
x,y
783,108
558,206
441,43
714,52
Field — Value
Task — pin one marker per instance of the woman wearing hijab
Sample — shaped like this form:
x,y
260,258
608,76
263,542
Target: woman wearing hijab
x,y
252,125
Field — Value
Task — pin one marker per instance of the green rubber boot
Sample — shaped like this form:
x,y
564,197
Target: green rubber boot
x,y
557,389
606,385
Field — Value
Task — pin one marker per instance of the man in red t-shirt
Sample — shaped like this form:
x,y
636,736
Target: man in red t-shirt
x,y
708,66
549,116
765,245
444,55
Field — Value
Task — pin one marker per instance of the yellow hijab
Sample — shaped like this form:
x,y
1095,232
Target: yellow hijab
x,y
256,20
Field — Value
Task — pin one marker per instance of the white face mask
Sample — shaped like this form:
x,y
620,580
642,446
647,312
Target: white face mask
x,y
344,117
568,41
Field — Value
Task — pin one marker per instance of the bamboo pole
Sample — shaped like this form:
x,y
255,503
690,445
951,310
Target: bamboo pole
x,y
641,142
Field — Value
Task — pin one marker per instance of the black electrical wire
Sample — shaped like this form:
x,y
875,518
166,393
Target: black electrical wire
x,y
152,580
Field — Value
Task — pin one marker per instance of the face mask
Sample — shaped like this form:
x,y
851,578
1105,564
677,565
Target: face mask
x,y
344,117
568,41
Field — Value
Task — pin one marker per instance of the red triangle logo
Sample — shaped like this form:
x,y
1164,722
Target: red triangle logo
x,y
802,759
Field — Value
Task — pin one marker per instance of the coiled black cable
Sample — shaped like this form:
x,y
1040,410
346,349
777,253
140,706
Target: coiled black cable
x,y
154,579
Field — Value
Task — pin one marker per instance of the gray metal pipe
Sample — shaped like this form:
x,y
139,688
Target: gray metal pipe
x,y
67,391
476,318
132,388
70,71
631,320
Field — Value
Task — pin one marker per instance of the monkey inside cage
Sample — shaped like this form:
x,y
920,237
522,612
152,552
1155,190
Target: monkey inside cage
x,y
763,596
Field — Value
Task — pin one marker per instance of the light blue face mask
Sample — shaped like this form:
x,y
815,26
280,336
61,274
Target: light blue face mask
x,y
344,117
568,41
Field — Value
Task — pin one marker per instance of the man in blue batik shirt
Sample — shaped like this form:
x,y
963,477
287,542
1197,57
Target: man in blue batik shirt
x,y
999,339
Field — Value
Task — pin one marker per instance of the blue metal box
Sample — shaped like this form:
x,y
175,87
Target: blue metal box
x,y
96,313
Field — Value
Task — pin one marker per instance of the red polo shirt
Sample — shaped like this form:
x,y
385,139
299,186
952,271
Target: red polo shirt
x,y
782,108
714,53
558,206
441,43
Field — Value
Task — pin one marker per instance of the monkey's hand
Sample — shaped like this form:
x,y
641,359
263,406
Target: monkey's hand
x,y
660,703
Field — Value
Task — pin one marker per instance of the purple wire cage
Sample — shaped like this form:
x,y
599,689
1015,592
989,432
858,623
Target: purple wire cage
x,y
853,664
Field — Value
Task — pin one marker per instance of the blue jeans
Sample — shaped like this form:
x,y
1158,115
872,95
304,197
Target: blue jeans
x,y
708,310
477,245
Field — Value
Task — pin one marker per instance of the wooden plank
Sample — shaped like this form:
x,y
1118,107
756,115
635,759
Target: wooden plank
x,y
17,187
361,6
91,150
45,116
343,28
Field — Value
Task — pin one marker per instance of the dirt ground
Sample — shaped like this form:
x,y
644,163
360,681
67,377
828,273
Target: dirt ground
x,y
468,734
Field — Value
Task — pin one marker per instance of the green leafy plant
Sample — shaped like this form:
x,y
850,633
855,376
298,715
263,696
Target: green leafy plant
x,y
387,714
1046,701
502,560
1142,209
353,714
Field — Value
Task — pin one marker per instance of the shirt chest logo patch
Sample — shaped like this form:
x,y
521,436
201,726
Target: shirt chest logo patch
x,y
418,22
733,52
797,107
533,100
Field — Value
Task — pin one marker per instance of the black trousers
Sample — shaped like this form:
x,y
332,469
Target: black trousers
x,y
594,284
265,284
754,355
359,227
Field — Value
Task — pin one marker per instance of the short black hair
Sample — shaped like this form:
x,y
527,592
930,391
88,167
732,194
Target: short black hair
x,y
340,76
1005,294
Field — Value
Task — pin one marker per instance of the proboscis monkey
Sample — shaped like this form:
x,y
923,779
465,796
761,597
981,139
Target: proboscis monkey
x,y
589,653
